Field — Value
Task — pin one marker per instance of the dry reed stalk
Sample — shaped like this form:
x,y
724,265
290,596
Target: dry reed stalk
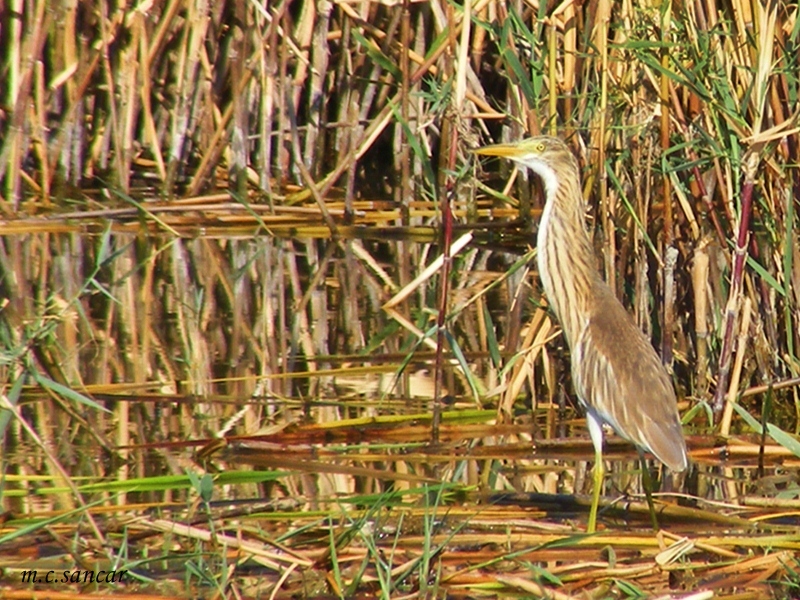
x,y
607,211
642,183
150,133
668,316
552,77
237,154
725,423
429,271
744,335
216,145
539,332
268,68
570,52
42,147
700,290
307,177
736,284
404,156
670,262
269,558
26,51
320,58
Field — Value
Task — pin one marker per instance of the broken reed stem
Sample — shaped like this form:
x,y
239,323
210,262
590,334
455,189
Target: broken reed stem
x,y
700,296
670,261
741,346
731,482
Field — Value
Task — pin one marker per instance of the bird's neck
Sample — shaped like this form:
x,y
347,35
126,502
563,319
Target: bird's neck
x,y
566,262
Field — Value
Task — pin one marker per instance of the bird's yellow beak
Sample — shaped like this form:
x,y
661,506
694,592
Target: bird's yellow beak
x,y
503,150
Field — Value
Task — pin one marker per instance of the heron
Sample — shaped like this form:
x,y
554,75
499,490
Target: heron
x,y
616,373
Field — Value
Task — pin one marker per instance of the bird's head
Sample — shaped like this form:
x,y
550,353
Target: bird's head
x,y
548,157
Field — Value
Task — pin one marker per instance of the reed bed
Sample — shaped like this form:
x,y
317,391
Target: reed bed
x,y
267,328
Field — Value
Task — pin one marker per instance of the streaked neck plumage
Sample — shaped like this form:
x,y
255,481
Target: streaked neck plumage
x,y
565,258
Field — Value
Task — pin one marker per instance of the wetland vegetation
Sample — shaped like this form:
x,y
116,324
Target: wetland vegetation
x,y
269,329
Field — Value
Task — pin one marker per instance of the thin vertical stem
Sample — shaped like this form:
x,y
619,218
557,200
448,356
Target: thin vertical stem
x,y
699,284
606,207
740,255
666,192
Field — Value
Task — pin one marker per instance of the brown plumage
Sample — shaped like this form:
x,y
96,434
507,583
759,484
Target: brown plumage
x,y
618,377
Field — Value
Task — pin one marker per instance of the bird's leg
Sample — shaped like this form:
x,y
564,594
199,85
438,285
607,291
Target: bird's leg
x,y
596,432
647,484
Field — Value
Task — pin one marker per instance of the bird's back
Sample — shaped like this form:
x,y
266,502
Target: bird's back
x,y
618,374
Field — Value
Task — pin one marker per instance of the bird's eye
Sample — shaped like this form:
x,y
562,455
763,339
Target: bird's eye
x,y
540,147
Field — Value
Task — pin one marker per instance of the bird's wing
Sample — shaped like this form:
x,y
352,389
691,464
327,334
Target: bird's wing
x,y
617,373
